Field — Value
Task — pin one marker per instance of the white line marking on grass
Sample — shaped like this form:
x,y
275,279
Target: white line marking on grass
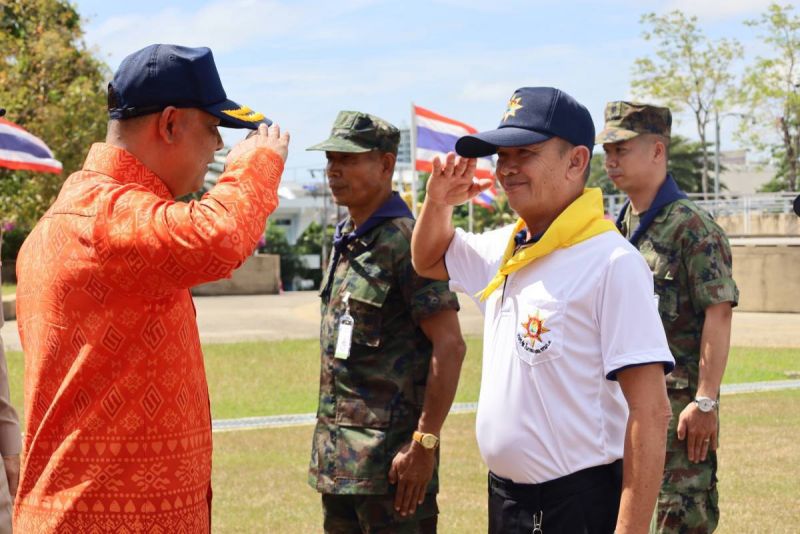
x,y
301,419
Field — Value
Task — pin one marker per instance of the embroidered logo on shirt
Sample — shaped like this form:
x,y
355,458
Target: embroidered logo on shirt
x,y
530,337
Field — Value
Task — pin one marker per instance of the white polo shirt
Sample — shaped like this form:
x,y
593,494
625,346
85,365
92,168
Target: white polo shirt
x,y
553,338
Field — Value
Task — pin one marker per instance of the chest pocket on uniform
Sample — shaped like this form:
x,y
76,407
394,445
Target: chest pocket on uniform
x,y
665,282
539,334
367,296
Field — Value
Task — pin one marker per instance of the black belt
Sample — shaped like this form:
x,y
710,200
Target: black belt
x,y
559,487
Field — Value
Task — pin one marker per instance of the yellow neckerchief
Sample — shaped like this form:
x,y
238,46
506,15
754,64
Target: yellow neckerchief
x,y
582,219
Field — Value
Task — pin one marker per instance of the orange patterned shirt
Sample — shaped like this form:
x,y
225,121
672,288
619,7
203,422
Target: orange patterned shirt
x,y
118,431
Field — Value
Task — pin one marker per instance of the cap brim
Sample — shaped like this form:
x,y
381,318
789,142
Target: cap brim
x,y
486,143
337,144
232,115
614,135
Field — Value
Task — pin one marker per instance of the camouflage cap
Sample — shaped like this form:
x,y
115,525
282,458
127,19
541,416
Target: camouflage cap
x,y
626,120
354,131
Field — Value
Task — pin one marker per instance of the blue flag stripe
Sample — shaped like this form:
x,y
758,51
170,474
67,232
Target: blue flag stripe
x,y
20,144
438,141
433,140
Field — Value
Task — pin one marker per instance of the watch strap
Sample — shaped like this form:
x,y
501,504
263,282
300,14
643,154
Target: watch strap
x,y
428,441
706,400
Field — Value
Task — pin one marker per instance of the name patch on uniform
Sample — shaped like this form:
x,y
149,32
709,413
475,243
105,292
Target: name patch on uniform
x,y
531,336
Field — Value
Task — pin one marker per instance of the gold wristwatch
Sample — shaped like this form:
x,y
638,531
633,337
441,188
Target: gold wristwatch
x,y
428,441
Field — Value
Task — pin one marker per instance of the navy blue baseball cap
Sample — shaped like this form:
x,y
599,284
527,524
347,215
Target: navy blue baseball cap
x,y
162,75
533,115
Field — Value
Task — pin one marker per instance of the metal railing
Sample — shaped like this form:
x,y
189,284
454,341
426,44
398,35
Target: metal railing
x,y
726,205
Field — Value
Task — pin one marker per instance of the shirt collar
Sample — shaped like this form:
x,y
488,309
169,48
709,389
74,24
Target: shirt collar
x,y
124,167
521,238
393,208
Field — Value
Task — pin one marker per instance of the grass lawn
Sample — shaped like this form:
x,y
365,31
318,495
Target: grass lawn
x,y
272,378
9,289
260,476
259,378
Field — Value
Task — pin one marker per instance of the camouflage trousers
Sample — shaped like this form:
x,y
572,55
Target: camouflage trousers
x,y
375,514
688,501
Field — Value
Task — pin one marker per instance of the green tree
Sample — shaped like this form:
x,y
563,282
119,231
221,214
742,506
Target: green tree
x,y
688,71
598,177
685,163
54,87
771,90
482,218
310,242
276,243
779,181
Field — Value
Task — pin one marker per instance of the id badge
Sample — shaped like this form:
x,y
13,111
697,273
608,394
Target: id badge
x,y
344,337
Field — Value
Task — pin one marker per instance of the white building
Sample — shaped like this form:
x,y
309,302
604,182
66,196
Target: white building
x,y
740,176
303,201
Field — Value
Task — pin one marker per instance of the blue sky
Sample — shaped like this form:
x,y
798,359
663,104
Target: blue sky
x,y
302,61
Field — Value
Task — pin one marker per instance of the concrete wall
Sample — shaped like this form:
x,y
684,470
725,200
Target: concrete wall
x,y
768,277
259,275
776,224
9,308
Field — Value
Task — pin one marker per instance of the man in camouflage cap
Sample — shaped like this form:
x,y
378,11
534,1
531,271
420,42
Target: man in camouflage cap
x,y
390,344
690,258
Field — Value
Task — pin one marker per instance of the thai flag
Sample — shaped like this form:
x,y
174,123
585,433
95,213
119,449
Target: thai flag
x,y
21,150
436,136
486,198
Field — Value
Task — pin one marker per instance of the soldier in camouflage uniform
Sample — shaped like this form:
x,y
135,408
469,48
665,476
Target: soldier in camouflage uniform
x,y
390,344
690,258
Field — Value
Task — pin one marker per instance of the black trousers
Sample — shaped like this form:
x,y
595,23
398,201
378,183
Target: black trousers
x,y
584,502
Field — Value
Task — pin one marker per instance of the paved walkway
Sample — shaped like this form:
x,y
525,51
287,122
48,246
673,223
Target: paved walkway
x,y
295,315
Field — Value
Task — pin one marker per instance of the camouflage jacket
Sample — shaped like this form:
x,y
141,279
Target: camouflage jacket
x,y
690,257
370,403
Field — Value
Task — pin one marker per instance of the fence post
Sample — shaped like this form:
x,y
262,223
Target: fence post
x,y
746,210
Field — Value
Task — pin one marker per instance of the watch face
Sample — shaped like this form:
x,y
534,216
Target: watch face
x,y
705,405
428,441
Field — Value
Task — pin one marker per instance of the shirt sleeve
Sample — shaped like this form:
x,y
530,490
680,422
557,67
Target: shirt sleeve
x,y
425,297
631,332
159,245
472,260
708,262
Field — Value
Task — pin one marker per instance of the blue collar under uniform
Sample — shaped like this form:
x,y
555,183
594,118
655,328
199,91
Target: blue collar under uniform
x,y
668,193
393,208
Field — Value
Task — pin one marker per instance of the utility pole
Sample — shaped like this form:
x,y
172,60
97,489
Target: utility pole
x,y
716,159
323,215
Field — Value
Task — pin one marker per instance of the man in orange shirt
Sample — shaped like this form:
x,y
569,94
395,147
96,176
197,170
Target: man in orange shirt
x,y
118,431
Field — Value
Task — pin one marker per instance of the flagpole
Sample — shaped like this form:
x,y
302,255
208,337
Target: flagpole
x,y
413,141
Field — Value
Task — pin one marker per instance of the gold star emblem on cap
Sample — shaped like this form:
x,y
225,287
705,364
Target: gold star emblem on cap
x,y
513,106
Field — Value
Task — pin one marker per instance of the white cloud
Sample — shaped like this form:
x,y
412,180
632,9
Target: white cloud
x,y
224,26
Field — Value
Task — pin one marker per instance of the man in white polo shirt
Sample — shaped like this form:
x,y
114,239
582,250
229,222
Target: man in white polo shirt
x,y
574,350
